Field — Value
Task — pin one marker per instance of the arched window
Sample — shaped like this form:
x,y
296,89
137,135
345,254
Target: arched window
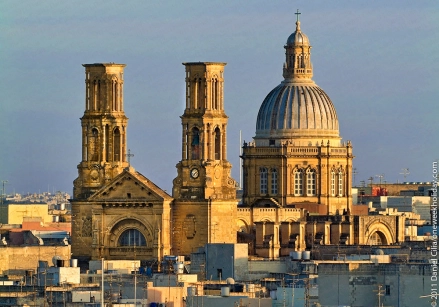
x,y
217,136
214,94
298,183
332,183
107,143
98,96
264,180
310,182
274,181
131,237
195,145
340,183
94,146
377,238
116,145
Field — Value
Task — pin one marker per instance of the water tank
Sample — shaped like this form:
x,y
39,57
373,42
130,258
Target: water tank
x,y
297,255
306,255
379,251
62,206
191,291
74,263
230,281
153,305
55,218
170,258
178,267
273,294
225,291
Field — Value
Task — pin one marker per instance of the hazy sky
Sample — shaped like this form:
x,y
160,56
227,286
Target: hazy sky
x,y
377,60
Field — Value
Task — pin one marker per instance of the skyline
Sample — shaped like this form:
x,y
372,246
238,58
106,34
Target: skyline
x,y
377,62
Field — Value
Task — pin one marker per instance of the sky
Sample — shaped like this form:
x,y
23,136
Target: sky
x,y
377,60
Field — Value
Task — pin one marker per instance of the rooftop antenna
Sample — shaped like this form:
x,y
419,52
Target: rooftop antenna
x,y
354,173
129,155
381,176
405,172
240,154
3,191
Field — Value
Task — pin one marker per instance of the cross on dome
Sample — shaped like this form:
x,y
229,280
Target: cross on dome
x,y
297,14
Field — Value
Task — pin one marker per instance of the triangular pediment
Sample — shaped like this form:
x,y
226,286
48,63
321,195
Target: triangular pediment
x,y
130,186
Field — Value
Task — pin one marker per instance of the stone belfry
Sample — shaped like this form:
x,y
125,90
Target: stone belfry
x,y
104,127
204,171
204,192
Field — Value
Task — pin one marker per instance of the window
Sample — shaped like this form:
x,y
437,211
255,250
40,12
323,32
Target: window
x,y
117,145
332,183
195,145
107,144
271,142
375,239
274,181
217,136
94,146
131,237
340,183
263,181
387,290
311,182
298,183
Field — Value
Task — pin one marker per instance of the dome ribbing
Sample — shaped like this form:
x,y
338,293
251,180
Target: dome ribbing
x,y
297,108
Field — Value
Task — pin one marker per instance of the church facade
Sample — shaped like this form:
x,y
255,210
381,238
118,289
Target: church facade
x,y
297,173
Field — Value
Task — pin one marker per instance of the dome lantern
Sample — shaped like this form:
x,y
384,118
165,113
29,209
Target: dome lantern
x,y
298,56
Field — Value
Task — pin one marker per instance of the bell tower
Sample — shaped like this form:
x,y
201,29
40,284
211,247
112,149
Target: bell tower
x,y
204,192
104,127
204,171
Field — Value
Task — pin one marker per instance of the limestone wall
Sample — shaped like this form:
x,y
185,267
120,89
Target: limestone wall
x,y
26,258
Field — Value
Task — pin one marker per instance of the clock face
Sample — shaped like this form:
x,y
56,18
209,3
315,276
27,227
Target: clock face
x,y
195,173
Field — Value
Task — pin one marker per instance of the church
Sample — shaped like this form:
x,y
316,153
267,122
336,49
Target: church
x,y
297,173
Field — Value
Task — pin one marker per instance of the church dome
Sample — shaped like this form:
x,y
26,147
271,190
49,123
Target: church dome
x,y
293,110
297,108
